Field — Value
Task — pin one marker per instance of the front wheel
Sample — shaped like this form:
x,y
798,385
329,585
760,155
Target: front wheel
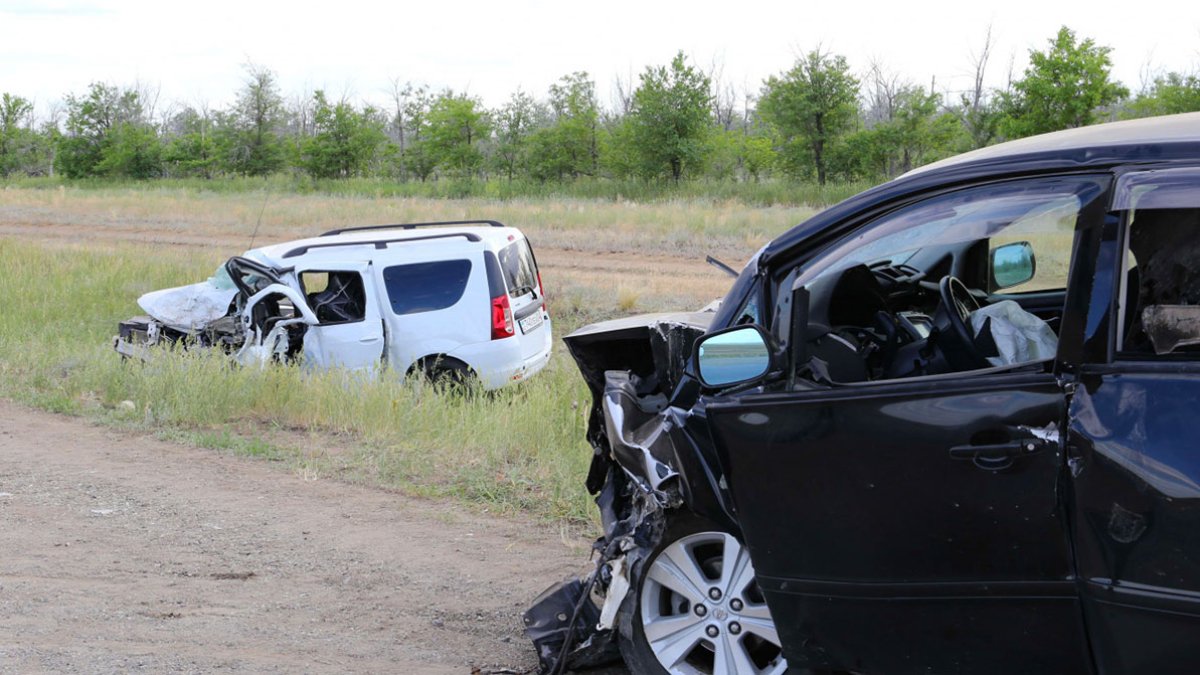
x,y
698,609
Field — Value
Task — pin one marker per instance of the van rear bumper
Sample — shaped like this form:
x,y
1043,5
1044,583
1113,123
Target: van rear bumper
x,y
501,362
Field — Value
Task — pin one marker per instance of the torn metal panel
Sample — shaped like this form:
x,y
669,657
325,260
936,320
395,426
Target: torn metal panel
x,y
636,433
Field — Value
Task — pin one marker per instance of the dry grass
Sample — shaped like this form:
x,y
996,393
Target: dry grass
x,y
683,228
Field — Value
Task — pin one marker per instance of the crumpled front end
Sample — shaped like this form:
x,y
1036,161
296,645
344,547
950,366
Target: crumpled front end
x,y
646,462
246,309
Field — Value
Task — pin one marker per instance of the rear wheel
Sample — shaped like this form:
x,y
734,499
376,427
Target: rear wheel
x,y
698,609
443,371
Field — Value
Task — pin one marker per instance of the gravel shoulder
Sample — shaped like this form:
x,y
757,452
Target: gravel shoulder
x,y
125,553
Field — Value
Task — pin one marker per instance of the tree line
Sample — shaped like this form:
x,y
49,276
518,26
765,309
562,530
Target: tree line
x,y
816,121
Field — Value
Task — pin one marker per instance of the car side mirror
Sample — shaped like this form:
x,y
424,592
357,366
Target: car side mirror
x,y
732,356
1012,264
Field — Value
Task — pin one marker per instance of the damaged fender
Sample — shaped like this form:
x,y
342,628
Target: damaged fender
x,y
651,456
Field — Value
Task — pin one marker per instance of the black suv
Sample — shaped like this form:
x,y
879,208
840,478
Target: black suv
x,y
947,426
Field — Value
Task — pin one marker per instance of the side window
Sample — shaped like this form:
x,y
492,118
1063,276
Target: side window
x,y
335,296
1050,232
426,287
907,294
1159,301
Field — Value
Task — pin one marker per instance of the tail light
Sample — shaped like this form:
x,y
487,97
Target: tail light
x,y
502,318
542,293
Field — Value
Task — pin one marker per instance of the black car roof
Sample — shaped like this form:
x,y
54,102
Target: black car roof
x,y
1149,140
1114,141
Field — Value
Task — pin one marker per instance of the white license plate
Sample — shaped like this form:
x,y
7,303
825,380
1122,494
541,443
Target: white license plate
x,y
531,322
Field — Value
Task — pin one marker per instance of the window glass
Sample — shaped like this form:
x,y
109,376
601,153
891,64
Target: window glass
x,y
1159,301
749,313
426,287
520,272
1050,230
1020,211
334,296
906,295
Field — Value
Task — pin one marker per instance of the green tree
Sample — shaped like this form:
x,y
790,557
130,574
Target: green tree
x,y
344,140
758,155
457,125
133,151
254,146
1170,94
810,107
106,133
671,118
412,124
569,146
16,116
515,121
917,132
192,148
1063,87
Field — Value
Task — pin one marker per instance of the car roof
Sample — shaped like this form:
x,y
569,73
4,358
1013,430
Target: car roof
x,y
1113,140
342,247
1152,140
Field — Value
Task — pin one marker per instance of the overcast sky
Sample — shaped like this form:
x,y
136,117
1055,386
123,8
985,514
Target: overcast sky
x,y
194,51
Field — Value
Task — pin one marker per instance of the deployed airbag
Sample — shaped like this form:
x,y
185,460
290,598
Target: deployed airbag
x,y
1020,337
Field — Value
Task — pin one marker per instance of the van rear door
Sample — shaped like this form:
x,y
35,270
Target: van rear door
x,y
520,272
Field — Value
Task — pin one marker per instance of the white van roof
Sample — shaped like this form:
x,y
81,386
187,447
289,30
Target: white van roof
x,y
375,242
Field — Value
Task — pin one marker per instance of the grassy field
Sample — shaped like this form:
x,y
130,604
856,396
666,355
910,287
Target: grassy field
x,y
772,192
74,261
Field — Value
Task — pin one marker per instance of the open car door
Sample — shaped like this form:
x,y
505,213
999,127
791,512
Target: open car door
x,y
349,333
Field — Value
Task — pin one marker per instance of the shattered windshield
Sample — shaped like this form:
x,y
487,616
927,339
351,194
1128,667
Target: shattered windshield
x,y
221,279
250,277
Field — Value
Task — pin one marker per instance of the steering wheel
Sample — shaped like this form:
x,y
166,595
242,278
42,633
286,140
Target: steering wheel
x,y
958,341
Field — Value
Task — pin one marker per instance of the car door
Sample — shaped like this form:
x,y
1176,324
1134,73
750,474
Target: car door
x,y
350,330
1134,461
914,525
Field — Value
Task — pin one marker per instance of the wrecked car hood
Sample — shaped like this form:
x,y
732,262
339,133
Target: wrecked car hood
x,y
191,307
645,343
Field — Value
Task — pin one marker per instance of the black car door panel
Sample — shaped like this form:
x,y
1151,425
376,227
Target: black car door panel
x,y
1137,515
882,545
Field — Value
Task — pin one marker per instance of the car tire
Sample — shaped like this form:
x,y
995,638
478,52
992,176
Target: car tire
x,y
446,372
687,618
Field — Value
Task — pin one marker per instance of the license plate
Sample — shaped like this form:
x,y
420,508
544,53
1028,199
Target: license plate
x,y
531,322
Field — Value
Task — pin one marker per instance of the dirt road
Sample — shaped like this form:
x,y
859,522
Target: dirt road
x,y
133,554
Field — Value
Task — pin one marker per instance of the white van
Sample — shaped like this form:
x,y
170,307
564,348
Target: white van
x,y
449,299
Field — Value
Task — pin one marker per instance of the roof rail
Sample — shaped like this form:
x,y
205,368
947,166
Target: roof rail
x,y
411,226
378,243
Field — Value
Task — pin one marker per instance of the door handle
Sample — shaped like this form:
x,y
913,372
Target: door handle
x,y
995,451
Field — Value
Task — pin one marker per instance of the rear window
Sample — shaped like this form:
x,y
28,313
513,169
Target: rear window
x,y
519,269
425,287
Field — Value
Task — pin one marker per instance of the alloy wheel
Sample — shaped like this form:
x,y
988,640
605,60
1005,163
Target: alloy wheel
x,y
702,611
